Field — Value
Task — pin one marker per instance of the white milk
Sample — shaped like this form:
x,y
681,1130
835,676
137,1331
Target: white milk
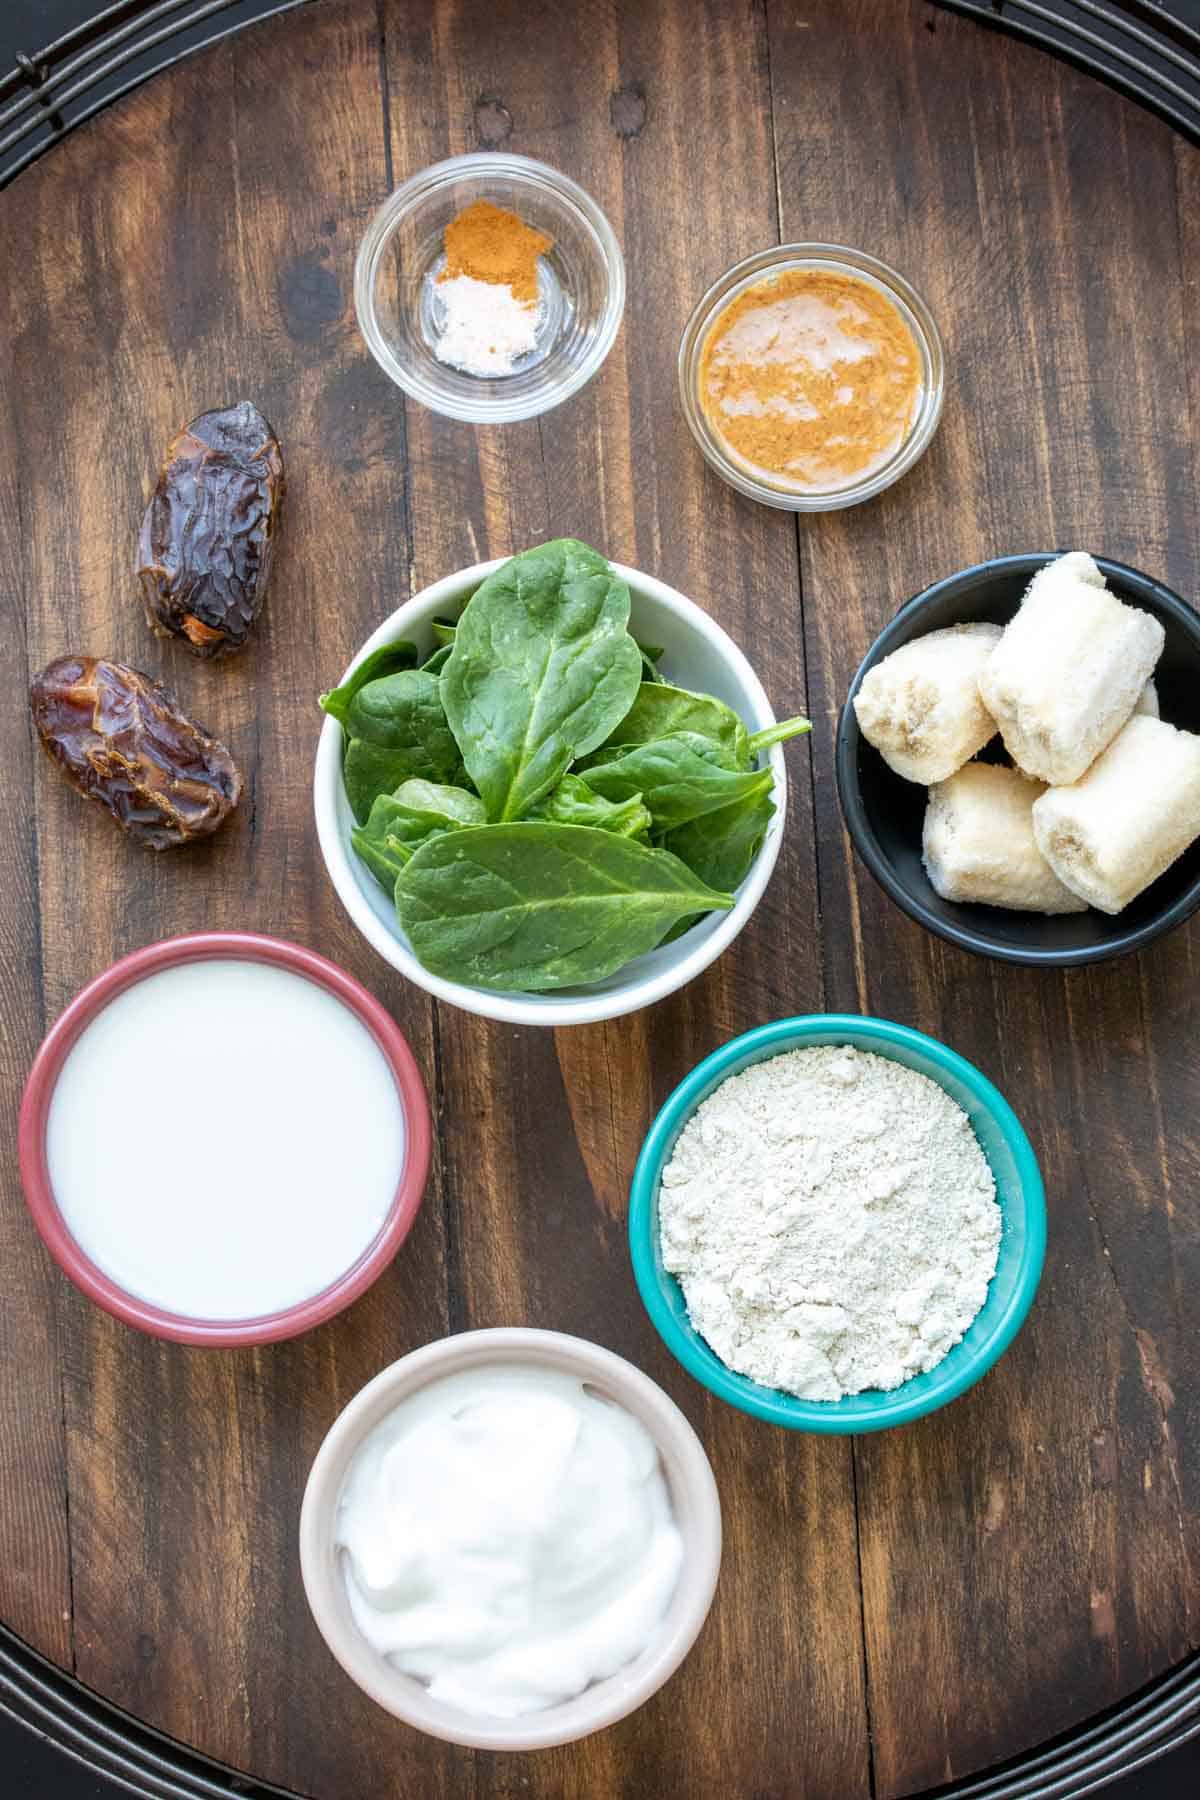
x,y
225,1139
508,1539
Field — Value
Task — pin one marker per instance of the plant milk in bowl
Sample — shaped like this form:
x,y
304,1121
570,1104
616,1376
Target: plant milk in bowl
x,y
223,1141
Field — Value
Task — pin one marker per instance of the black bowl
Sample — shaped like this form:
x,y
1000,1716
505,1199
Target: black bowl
x,y
884,814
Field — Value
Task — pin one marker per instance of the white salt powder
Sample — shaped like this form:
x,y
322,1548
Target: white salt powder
x,y
487,329
832,1221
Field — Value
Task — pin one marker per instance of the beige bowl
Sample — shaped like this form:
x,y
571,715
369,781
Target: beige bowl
x,y
693,1496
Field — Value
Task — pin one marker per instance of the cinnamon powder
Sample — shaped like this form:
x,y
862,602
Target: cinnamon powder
x,y
489,243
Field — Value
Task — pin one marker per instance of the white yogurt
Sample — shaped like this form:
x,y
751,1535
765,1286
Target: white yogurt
x,y
508,1539
225,1139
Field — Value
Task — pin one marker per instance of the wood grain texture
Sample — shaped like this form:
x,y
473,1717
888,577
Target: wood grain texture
x,y
540,1213
1062,427
1027,1557
35,1579
175,293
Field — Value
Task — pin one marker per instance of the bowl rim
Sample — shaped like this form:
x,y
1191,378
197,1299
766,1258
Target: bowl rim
x,y
549,1009
88,1003
917,314
383,224
682,1454
827,1417
1141,586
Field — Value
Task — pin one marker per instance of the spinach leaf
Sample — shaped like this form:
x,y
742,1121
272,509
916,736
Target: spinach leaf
x,y
536,906
384,661
651,655
400,709
661,710
720,846
368,772
573,802
378,857
397,730
398,823
454,804
384,852
545,877
443,637
778,734
678,777
541,672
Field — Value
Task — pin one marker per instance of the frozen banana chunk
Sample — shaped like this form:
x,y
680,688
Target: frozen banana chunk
x,y
1077,564
1121,826
920,706
1147,702
1068,671
979,846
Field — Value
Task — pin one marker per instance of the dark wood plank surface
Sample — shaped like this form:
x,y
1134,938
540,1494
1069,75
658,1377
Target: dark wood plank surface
x,y
34,1552
892,1613
1013,191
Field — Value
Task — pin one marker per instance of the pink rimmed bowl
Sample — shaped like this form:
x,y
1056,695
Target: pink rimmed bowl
x,y
222,946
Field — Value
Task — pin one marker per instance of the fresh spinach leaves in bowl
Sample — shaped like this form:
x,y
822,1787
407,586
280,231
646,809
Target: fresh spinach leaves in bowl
x,y
542,804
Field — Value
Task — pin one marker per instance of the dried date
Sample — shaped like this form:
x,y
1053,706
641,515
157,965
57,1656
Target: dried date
x,y
121,739
208,538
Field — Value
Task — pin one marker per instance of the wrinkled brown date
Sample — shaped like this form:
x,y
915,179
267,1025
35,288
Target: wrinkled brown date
x,y
208,537
121,739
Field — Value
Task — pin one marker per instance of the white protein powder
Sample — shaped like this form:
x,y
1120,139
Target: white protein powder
x,y
832,1221
487,329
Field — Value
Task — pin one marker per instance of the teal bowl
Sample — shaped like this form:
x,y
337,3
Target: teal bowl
x,y
1019,1193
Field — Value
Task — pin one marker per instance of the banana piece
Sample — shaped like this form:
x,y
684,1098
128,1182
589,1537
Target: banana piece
x,y
978,843
1122,825
1077,564
920,706
1068,671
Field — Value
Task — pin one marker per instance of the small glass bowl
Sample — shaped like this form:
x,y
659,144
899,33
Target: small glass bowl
x,y
836,259
581,279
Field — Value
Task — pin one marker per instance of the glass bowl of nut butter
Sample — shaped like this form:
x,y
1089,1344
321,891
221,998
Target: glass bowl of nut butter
x,y
811,376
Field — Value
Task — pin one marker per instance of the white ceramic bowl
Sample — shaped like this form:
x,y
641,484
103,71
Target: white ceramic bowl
x,y
697,654
694,1500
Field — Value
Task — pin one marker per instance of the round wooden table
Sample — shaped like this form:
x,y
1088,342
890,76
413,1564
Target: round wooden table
x,y
894,1612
